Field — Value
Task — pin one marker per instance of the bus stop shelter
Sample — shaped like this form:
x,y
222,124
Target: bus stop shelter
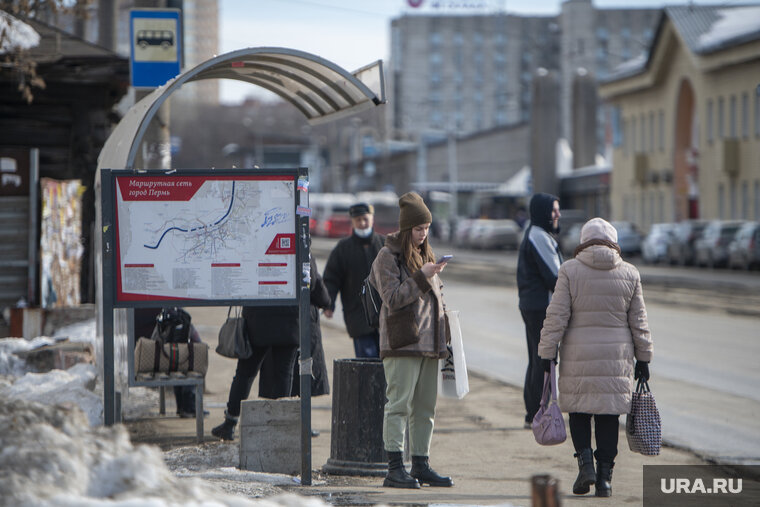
x,y
320,89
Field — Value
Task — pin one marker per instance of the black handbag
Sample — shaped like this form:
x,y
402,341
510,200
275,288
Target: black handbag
x,y
233,340
371,303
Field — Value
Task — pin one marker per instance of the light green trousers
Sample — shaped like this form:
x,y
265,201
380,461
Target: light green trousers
x,y
412,392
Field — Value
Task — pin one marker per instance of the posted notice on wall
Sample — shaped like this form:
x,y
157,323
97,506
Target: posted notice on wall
x,y
205,237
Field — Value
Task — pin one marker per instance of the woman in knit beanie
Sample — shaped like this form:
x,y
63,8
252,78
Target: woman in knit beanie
x,y
413,338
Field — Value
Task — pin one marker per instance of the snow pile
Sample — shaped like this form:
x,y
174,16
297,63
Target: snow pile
x,y
54,450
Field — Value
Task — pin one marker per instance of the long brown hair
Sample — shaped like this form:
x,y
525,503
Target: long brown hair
x,y
415,257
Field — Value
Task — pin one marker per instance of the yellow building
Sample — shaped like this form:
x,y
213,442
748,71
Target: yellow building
x,y
686,119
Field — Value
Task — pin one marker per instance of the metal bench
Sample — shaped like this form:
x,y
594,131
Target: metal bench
x,y
164,380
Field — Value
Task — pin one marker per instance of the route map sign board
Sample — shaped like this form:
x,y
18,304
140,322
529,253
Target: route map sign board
x,y
210,237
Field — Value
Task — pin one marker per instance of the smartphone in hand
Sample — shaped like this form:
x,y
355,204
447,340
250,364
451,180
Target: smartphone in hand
x,y
444,259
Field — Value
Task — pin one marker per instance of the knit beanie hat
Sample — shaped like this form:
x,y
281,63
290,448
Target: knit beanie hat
x,y
598,228
413,211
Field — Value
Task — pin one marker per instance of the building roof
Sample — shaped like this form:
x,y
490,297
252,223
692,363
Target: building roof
x,y
704,29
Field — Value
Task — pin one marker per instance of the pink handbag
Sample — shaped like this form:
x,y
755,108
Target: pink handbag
x,y
548,424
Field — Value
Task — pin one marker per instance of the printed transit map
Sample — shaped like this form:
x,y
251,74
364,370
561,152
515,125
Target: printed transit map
x,y
205,237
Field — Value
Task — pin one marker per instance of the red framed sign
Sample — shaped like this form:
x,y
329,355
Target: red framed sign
x,y
211,237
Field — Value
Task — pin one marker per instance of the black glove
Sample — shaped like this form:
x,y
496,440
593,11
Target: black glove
x,y
547,364
641,370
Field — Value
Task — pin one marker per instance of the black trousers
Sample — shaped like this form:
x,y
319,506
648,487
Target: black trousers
x,y
534,375
606,428
247,369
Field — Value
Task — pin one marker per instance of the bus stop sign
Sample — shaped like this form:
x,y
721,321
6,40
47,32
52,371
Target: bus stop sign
x,y
155,46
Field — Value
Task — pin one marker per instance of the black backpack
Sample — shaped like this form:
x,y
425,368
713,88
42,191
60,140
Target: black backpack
x,y
371,303
172,326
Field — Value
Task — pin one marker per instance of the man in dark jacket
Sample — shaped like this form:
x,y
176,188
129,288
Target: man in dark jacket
x,y
537,268
348,265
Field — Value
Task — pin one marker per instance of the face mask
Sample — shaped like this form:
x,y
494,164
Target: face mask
x,y
363,233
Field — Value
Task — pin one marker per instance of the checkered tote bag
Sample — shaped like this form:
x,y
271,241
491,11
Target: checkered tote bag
x,y
643,426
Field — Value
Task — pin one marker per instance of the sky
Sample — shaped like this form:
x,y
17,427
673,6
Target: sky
x,y
352,34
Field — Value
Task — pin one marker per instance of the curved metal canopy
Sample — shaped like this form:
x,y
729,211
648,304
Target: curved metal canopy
x,y
317,87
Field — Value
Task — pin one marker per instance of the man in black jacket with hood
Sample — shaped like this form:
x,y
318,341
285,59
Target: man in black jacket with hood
x,y
347,267
537,268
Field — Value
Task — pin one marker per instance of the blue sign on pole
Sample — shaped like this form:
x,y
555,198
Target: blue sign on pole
x,y
155,46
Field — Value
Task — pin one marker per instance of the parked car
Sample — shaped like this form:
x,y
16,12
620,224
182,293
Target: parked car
x,y
463,230
744,249
681,249
629,238
570,240
490,234
654,248
568,220
711,249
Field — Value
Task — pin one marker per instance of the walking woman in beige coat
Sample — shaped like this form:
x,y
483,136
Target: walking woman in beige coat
x,y
598,319
412,340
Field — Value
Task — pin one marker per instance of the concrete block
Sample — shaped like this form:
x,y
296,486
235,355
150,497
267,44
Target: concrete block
x,y
270,436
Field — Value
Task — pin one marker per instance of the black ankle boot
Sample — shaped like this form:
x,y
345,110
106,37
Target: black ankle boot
x,y
397,476
586,474
226,430
604,478
425,475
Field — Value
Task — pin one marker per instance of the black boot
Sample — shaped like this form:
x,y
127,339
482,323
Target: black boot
x,y
604,478
226,430
425,475
397,476
586,474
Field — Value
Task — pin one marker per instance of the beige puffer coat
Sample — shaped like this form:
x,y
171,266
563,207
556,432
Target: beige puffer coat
x,y
412,319
598,318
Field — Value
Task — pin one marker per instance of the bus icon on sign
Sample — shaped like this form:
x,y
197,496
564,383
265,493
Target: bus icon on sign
x,y
163,38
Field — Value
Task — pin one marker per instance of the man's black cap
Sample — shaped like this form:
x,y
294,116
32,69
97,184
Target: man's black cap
x,y
360,209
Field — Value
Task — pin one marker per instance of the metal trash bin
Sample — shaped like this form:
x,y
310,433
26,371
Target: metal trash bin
x,y
356,442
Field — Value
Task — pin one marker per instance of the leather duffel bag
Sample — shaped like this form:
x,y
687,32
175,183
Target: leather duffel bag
x,y
153,356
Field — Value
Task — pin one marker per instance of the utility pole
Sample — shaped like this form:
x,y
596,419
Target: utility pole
x,y
156,145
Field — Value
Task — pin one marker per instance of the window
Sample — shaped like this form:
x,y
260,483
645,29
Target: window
x,y
745,115
733,200
721,126
624,129
642,139
720,201
732,117
617,136
709,120
757,112
633,135
745,200
651,131
662,130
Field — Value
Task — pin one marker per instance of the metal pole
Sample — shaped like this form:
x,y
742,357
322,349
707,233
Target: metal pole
x,y
34,185
109,396
422,162
304,321
453,175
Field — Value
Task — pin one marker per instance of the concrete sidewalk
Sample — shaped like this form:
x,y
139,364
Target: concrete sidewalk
x,y
479,441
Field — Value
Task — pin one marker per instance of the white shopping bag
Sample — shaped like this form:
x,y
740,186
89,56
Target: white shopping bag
x,y
452,381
